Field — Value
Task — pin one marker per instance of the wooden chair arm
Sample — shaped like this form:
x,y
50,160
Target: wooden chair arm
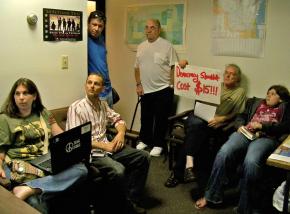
x,y
180,115
128,135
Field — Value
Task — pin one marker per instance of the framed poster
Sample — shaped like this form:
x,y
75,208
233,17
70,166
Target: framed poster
x,y
172,18
62,25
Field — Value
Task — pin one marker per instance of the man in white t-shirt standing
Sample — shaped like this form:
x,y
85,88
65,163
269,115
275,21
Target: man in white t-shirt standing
x,y
154,69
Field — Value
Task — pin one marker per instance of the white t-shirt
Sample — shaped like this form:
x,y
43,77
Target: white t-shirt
x,y
154,60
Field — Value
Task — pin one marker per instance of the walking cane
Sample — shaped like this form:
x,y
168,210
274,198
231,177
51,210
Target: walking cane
x,y
136,107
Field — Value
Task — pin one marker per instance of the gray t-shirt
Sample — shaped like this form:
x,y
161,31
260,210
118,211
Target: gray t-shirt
x,y
154,59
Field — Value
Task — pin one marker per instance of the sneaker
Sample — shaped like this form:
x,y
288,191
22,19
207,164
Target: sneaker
x,y
172,181
189,175
141,145
156,151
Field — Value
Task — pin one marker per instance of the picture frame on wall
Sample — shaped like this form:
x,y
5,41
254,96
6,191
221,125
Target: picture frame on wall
x,y
172,17
62,25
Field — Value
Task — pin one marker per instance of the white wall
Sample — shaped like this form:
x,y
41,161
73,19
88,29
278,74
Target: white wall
x,y
23,52
259,73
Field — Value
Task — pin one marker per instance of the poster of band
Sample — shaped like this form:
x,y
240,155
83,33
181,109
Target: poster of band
x,y
62,25
198,82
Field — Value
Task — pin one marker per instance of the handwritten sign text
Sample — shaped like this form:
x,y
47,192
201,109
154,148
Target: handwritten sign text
x,y
198,83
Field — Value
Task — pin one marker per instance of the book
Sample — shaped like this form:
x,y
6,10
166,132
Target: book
x,y
282,153
250,135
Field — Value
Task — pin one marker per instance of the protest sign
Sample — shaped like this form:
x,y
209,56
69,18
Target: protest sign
x,y
200,83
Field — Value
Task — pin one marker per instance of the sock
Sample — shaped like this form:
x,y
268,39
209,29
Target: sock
x,y
189,161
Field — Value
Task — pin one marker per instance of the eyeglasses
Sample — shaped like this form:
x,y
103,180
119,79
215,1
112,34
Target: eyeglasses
x,y
151,28
98,14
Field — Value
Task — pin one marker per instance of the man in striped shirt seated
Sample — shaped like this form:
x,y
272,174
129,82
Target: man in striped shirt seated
x,y
123,167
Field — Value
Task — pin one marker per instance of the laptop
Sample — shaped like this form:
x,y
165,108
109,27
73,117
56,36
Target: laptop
x,y
65,149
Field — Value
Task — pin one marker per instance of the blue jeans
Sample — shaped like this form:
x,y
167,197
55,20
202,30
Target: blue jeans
x,y
252,155
126,170
53,184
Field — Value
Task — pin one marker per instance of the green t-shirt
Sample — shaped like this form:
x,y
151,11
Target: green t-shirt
x,y
23,138
232,101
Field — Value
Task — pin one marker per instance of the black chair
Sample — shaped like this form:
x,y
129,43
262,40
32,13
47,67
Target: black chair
x,y
176,136
131,136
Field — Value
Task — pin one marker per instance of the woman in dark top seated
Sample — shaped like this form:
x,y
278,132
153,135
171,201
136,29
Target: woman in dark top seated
x,y
268,119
